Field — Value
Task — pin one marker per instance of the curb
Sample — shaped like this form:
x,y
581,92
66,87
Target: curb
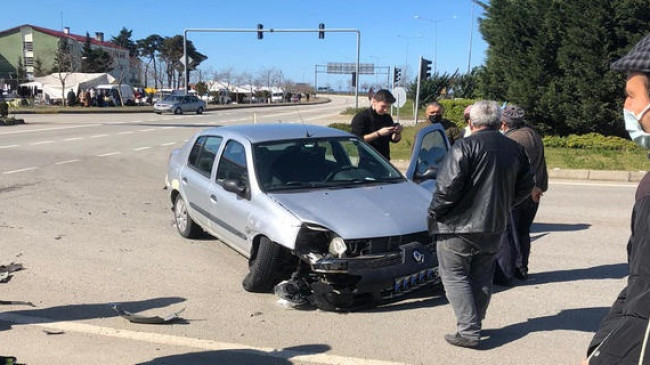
x,y
596,175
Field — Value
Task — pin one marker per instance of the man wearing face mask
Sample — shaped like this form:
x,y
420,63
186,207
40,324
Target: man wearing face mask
x,y
435,112
623,333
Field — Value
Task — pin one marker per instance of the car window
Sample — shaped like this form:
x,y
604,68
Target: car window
x,y
432,151
232,164
203,154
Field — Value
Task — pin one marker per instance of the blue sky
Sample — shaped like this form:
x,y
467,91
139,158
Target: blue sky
x,y
391,35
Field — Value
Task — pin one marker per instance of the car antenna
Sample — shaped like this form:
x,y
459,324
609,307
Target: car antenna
x,y
303,122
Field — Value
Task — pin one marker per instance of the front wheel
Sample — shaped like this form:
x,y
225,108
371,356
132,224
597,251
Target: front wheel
x,y
184,223
199,110
263,267
178,111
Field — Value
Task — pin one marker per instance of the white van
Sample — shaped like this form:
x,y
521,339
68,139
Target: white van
x,y
125,89
277,97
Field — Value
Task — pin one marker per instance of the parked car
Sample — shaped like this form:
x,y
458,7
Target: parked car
x,y
179,104
311,204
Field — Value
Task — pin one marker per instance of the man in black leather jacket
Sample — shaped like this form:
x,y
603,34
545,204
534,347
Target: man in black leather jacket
x,y
482,177
620,338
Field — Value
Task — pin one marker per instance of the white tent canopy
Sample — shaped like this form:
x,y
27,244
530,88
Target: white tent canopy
x,y
51,84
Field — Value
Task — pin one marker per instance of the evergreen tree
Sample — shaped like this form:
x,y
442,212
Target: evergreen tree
x,y
38,67
21,73
149,47
124,40
95,60
552,58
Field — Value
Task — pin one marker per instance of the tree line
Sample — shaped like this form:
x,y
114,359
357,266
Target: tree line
x,y
552,58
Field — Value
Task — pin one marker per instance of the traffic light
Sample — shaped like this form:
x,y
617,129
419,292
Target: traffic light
x,y
397,75
260,34
354,79
321,31
425,69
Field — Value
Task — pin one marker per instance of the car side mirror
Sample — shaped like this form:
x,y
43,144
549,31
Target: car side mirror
x,y
235,186
429,174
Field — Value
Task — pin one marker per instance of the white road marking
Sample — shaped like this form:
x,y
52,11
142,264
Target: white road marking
x,y
65,162
98,136
49,129
141,148
20,170
172,127
73,139
167,144
40,142
10,146
146,130
196,343
109,154
126,132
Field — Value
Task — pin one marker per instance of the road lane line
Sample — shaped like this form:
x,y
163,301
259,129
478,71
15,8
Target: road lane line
x,y
40,142
20,170
108,154
98,136
146,130
73,139
126,132
167,144
65,162
10,146
49,129
172,127
171,340
142,148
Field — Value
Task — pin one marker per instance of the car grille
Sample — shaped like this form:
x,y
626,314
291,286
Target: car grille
x,y
378,245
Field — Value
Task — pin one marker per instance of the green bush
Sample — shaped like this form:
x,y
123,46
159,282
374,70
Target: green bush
x,y
591,141
342,126
454,109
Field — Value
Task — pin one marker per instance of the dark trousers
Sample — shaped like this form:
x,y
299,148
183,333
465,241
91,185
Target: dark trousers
x,y
466,272
523,216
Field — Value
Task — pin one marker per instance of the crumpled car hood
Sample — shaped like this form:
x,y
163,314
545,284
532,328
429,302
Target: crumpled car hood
x,y
362,212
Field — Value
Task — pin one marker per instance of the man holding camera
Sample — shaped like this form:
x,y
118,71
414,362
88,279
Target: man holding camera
x,y
376,126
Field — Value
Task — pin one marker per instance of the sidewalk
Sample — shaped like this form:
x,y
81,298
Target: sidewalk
x,y
601,175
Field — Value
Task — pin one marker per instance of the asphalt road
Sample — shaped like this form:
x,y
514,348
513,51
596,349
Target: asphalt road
x,y
84,211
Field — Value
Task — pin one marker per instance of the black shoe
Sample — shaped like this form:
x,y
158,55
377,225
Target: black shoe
x,y
460,341
521,273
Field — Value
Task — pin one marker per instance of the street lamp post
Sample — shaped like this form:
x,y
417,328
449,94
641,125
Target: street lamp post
x,y
435,37
406,60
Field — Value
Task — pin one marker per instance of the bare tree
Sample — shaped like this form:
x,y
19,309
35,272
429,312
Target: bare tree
x,y
64,64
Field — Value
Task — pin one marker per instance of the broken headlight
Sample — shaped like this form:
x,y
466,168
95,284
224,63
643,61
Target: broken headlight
x,y
337,247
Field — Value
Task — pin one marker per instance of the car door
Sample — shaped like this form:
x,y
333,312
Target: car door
x,y
196,177
430,146
230,211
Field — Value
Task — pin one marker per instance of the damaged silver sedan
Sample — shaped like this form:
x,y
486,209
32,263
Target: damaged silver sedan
x,y
313,208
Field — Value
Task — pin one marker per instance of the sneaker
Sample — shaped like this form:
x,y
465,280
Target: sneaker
x,y
460,341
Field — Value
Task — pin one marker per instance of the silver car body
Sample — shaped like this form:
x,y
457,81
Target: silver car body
x,y
178,104
365,212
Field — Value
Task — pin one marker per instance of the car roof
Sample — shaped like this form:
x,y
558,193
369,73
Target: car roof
x,y
277,131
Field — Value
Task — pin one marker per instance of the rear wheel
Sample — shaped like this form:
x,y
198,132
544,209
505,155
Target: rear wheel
x,y
184,223
199,110
178,111
263,267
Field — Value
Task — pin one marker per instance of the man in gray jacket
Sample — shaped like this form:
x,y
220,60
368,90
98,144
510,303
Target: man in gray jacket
x,y
482,177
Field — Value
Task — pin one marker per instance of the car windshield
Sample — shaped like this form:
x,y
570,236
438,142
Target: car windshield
x,y
337,162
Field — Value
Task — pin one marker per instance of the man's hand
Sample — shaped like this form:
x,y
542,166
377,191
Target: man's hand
x,y
584,362
536,194
386,131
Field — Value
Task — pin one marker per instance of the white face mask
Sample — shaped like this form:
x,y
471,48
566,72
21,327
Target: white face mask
x,y
634,129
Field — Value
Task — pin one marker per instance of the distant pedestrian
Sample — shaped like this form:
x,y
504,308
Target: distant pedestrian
x,y
480,179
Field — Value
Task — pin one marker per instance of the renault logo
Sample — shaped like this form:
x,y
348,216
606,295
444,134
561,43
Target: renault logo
x,y
418,256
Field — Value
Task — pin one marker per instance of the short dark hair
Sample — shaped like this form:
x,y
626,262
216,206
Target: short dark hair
x,y
438,105
384,95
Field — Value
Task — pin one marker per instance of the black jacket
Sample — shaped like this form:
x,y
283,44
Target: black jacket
x,y
623,329
368,121
482,177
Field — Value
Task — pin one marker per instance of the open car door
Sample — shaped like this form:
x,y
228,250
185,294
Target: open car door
x,y
429,148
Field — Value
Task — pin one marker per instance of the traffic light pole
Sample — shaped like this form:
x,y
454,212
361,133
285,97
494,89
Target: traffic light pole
x,y
320,30
417,94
